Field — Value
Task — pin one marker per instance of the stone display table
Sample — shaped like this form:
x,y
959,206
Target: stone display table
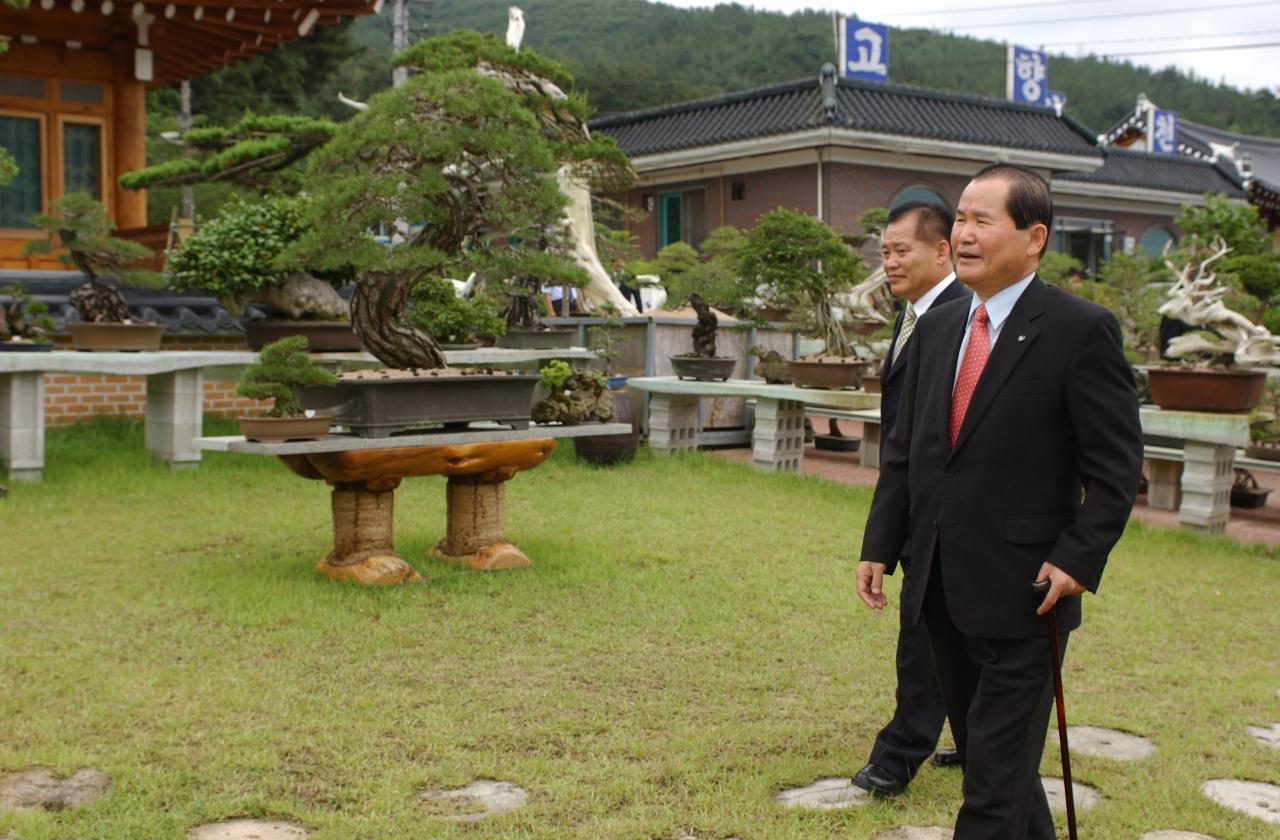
x,y
175,392
1204,474
777,443
365,472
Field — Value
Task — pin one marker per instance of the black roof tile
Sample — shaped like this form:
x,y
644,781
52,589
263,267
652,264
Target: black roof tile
x,y
1175,173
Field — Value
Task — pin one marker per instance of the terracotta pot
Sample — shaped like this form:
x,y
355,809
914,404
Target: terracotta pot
x,y
612,449
831,374
115,337
281,429
381,407
322,336
24,347
871,383
703,368
1193,389
537,339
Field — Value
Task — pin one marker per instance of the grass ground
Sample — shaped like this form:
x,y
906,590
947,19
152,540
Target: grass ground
x,y
687,643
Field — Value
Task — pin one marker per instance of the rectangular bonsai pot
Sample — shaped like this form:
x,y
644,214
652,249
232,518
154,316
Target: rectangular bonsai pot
x,y
381,407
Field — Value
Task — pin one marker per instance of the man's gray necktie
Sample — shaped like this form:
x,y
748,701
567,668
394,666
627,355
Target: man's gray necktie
x,y
908,327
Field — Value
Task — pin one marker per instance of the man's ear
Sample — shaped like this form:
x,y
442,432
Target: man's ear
x,y
943,251
1039,234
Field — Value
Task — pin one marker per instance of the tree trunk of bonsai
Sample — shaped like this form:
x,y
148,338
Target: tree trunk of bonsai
x,y
377,305
94,300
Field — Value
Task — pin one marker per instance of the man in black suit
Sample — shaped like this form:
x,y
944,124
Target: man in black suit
x,y
916,249
1015,458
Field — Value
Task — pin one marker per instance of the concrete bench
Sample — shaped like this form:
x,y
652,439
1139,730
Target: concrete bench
x,y
175,392
777,441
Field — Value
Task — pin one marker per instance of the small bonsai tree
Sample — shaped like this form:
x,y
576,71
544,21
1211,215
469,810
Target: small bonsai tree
x,y
806,266
79,225
282,366
21,317
436,309
604,340
572,398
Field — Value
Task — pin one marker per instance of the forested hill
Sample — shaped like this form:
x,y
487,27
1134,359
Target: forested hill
x,y
633,54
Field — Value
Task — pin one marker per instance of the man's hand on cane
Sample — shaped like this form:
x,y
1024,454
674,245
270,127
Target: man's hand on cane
x,y
871,584
1061,585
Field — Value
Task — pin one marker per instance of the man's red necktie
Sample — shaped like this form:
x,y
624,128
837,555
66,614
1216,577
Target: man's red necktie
x,y
975,359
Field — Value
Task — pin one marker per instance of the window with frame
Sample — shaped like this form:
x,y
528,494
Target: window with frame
x,y
682,217
82,158
21,199
1088,240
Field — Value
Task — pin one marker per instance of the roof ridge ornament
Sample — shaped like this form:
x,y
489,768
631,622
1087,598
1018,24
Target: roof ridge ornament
x,y
827,79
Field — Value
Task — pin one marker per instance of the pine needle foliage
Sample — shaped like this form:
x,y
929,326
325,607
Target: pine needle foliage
x,y
283,365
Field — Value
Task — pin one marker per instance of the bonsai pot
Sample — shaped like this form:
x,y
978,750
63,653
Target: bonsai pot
x,y
1197,389
281,429
549,339
612,449
470,346
775,314
1263,451
108,337
322,336
1246,493
25,347
871,383
828,372
833,443
378,405
703,368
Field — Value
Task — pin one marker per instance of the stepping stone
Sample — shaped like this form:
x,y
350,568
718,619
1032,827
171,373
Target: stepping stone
x,y
912,832
1257,799
1085,796
1174,835
248,830
824,795
1267,737
478,800
40,787
1109,743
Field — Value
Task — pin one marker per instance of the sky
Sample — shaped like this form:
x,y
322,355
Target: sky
x,y
1181,31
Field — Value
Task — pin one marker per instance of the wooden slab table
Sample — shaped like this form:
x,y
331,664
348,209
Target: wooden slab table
x,y
777,442
365,472
175,392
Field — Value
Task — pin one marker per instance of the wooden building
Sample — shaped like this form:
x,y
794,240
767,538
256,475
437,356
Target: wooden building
x,y
73,86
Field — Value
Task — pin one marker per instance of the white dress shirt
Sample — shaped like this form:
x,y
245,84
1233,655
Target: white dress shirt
x,y
999,306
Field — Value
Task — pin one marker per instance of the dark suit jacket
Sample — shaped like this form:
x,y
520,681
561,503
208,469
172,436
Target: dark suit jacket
x,y
1046,466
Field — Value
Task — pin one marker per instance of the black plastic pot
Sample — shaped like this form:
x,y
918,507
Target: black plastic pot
x,y
612,449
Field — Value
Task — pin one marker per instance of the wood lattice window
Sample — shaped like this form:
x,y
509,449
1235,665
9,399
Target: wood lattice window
x,y
20,136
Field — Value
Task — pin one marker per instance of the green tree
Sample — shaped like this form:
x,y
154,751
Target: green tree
x,y
715,278
1252,267
283,366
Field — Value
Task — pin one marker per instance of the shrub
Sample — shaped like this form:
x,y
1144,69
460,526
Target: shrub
x,y
440,313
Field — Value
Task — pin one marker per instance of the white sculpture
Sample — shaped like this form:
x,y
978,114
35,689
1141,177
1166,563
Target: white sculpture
x,y
1196,298
515,27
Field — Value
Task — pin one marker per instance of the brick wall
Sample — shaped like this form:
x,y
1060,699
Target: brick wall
x,y
71,397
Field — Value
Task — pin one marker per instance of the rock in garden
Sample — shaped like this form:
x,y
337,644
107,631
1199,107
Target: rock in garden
x,y
248,830
824,795
1267,736
40,787
478,800
1085,796
1257,799
1108,743
912,832
1174,835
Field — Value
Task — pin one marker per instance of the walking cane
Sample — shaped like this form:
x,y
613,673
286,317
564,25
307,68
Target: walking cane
x,y
1041,587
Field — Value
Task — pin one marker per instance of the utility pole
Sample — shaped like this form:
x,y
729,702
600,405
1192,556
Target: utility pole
x,y
399,38
184,123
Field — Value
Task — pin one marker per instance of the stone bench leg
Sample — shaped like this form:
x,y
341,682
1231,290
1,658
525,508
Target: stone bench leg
x,y
1207,475
363,536
673,423
175,407
477,521
22,424
870,454
1164,487
777,444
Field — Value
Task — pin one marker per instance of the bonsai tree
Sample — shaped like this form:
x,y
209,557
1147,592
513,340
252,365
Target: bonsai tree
x,y
807,266
236,257
716,277
437,310
78,224
604,340
21,317
572,398
283,365
704,332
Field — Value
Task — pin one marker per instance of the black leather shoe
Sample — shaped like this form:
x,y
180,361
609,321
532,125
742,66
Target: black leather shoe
x,y
878,781
946,758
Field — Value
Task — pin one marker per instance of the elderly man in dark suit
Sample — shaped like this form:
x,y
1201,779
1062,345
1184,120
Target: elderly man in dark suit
x,y
1015,458
916,249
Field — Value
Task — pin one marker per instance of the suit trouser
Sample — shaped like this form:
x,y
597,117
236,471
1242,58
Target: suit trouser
x,y
911,736
999,693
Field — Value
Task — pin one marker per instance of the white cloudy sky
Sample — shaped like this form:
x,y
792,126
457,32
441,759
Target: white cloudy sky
x,y
1181,30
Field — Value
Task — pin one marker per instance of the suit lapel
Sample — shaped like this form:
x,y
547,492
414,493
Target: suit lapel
x,y
889,368
948,344
1017,334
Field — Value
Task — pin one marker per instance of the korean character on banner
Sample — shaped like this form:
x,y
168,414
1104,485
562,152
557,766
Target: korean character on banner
x,y
1032,71
1164,132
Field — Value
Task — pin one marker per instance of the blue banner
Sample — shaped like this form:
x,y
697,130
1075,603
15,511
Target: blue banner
x,y
1027,76
864,50
1056,99
1164,132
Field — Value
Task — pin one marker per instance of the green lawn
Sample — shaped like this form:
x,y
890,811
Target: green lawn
x,y
687,642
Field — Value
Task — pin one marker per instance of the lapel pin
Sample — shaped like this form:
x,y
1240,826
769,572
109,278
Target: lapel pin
x,y
1022,338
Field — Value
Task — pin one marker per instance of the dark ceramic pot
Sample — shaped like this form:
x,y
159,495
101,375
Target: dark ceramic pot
x,y
829,374
24,347
322,336
1195,389
871,383
537,339
115,337
703,368
612,449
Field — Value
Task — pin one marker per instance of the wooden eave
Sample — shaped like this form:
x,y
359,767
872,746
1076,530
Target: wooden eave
x,y
186,37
